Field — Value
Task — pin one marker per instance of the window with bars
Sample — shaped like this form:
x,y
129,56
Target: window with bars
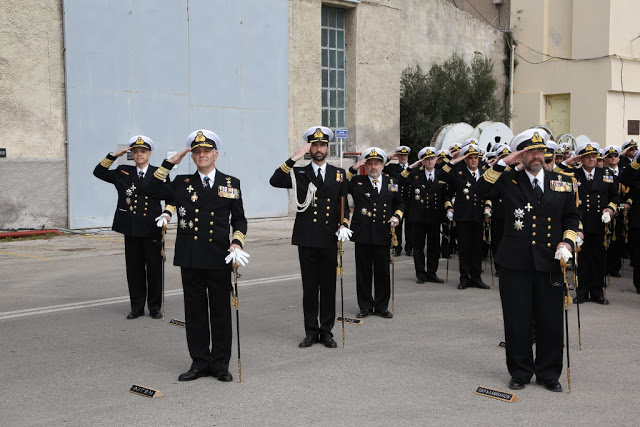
x,y
333,67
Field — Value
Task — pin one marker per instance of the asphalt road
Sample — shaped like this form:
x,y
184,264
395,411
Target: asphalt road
x,y
69,356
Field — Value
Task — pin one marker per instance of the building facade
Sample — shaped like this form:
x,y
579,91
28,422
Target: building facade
x,y
578,68
258,72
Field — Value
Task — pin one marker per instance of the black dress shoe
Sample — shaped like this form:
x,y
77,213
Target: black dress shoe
x,y
194,374
409,252
481,285
551,385
328,341
134,315
156,315
581,299
384,313
224,376
308,341
600,300
397,252
421,280
516,384
363,313
434,278
462,286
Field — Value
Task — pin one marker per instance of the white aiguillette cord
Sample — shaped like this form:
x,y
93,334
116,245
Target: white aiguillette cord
x,y
311,193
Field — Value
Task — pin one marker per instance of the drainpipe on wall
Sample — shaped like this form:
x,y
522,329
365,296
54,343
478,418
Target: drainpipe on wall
x,y
511,56
66,114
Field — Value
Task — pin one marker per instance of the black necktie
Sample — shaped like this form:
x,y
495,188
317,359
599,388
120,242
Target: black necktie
x,y
206,183
589,177
375,185
320,176
140,175
537,190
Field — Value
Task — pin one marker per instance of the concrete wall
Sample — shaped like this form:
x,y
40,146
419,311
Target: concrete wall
x,y
32,115
383,38
604,92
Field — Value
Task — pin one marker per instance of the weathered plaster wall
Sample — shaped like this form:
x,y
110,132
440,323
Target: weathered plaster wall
x,y
32,115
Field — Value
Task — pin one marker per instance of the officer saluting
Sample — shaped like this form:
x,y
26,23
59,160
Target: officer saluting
x,y
377,204
209,202
136,217
318,187
541,226
598,190
428,199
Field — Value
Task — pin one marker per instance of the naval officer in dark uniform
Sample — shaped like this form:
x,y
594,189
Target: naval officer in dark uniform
x,y
318,187
541,227
598,190
209,205
628,151
428,199
136,217
377,205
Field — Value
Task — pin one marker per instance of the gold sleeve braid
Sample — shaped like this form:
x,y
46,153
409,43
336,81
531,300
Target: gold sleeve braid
x,y
161,173
285,168
571,235
398,213
635,165
106,162
446,168
239,236
170,208
447,205
345,221
613,207
349,175
405,173
491,175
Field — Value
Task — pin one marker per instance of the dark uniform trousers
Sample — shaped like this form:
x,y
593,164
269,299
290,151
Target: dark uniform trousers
x,y
590,266
135,218
144,265
205,218
470,251
372,263
528,296
207,302
314,234
531,282
634,236
428,234
318,270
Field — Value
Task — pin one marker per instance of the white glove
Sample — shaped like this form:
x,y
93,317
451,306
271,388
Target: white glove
x,y
238,256
579,241
344,234
487,212
163,219
606,218
563,254
450,215
394,221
